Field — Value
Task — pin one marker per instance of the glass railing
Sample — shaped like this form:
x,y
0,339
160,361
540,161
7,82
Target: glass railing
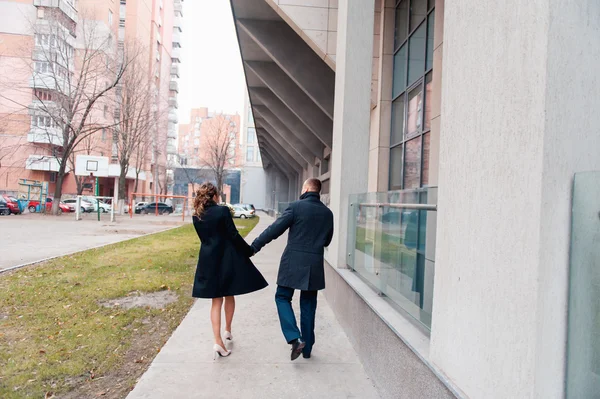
x,y
281,206
391,245
583,348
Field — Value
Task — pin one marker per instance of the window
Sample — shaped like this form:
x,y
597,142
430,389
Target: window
x,y
411,91
110,18
250,154
105,110
251,138
103,134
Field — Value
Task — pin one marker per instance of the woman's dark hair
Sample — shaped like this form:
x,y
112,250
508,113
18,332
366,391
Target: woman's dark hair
x,y
204,197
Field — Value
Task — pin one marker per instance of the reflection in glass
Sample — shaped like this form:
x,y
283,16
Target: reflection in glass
x,y
418,12
399,72
414,114
430,34
401,31
397,120
583,347
387,249
396,168
416,52
412,164
428,93
426,148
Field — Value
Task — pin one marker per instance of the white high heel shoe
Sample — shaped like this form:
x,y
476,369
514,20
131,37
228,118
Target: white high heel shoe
x,y
220,352
228,336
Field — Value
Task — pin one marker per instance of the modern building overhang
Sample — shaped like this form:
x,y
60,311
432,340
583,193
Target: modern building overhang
x,y
291,88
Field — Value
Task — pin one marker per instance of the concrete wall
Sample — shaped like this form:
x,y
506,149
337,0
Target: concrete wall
x,y
519,92
254,186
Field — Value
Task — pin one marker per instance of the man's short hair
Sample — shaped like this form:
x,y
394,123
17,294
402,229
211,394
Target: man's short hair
x,y
313,185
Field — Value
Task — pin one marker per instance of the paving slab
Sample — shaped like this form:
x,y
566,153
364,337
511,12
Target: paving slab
x,y
259,366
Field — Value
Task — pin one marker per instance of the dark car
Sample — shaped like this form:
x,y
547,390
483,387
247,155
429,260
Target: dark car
x,y
12,203
4,209
153,206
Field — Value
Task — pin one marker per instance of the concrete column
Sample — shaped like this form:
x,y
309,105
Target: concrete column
x,y
349,165
510,144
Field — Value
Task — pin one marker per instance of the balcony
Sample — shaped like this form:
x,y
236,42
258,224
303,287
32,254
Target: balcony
x,y
391,247
48,81
66,6
44,163
173,103
178,7
49,135
176,55
175,71
176,37
171,149
172,132
173,117
174,86
178,23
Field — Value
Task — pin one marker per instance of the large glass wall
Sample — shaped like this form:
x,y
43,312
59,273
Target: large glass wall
x,y
411,92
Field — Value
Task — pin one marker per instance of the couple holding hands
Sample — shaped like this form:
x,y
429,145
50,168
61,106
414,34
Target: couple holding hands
x,y
225,270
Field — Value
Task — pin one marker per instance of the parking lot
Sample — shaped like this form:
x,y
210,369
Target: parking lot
x,y
33,237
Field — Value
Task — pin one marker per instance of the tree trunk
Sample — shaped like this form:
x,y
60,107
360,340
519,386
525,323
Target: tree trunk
x,y
58,189
79,181
123,183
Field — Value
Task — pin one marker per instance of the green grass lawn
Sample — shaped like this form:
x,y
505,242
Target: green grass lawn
x,y
55,337
387,248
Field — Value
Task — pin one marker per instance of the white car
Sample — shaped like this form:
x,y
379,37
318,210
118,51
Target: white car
x,y
242,213
104,207
86,206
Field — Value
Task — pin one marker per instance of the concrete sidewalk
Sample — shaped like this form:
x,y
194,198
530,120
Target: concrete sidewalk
x,y
260,365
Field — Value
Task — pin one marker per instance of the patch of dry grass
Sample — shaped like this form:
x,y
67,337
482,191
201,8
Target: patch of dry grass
x,y
54,333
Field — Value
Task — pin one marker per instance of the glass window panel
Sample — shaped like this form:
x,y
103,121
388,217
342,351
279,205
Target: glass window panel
x,y
430,33
399,71
414,114
428,94
431,4
426,147
397,120
401,28
412,164
418,12
396,168
416,53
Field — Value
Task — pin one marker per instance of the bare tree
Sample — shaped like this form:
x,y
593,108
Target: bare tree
x,y
219,152
72,79
134,116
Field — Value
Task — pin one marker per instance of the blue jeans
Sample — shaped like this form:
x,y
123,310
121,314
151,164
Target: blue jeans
x,y
308,309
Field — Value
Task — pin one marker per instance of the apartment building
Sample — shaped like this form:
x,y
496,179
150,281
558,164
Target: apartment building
x,y
460,146
31,145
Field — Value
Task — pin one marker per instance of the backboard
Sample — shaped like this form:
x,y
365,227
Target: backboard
x,y
91,164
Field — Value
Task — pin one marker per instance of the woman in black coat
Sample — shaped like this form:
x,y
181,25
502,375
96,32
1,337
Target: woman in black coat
x,y
224,268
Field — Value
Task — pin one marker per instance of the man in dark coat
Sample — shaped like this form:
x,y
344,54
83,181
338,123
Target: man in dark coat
x,y
310,225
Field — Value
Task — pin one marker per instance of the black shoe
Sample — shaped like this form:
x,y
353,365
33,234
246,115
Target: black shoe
x,y
297,347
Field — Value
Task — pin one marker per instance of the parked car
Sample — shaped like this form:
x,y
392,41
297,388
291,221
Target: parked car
x,y
86,206
62,207
12,203
242,213
248,207
104,207
140,205
4,209
153,206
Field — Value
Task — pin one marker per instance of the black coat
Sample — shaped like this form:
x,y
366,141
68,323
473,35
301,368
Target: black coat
x,y
311,229
224,267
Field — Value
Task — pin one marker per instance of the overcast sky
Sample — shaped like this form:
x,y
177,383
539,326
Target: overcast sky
x,y
211,69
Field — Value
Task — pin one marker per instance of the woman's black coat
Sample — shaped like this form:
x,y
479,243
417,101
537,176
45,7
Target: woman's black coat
x,y
224,266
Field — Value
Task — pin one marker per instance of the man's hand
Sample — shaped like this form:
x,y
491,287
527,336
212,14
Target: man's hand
x,y
254,251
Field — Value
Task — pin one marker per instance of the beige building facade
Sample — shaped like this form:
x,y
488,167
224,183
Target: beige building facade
x,y
435,128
